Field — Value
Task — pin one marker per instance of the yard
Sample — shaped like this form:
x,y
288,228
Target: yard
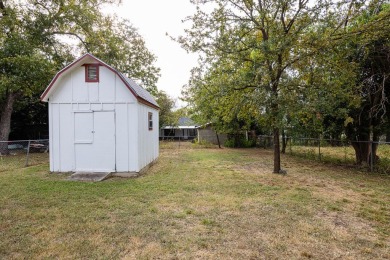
x,y
199,203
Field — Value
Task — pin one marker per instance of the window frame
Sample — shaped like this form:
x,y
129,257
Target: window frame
x,y
87,78
150,121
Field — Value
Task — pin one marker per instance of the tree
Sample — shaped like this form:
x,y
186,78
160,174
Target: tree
x,y
24,69
166,104
120,45
372,54
29,49
29,119
213,99
272,37
37,38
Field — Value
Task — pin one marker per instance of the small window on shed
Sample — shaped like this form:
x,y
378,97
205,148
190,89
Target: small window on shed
x,y
150,120
92,73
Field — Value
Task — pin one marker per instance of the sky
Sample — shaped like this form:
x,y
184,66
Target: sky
x,y
153,19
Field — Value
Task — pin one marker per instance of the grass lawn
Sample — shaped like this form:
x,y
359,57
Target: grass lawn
x,y
15,161
199,203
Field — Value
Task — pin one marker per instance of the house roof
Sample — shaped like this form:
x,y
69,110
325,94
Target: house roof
x,y
183,123
142,95
180,127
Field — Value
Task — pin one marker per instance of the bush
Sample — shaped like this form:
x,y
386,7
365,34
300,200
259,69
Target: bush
x,y
230,143
249,143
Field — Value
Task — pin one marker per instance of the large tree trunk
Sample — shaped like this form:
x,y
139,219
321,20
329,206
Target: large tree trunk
x,y
276,150
363,149
362,152
5,122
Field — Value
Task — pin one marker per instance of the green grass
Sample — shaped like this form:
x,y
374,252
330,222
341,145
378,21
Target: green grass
x,y
19,160
198,203
344,155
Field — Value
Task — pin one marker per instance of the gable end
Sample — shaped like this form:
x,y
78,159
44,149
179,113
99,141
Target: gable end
x,y
141,94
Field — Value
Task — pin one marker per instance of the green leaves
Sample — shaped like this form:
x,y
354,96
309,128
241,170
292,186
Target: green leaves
x,y
166,104
120,45
28,73
39,37
282,63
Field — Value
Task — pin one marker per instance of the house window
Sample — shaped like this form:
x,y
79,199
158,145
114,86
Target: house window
x,y
192,132
169,132
150,120
92,73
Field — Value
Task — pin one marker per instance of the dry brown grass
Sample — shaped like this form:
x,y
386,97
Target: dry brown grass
x,y
199,203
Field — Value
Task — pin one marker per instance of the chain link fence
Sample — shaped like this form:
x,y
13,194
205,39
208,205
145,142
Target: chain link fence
x,y
333,151
336,152
23,153
176,143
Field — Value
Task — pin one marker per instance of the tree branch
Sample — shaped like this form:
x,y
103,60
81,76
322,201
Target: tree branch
x,y
85,44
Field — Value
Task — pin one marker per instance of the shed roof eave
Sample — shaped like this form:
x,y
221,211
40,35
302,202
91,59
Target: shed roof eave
x,y
148,100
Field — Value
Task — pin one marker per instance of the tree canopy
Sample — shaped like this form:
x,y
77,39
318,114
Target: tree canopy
x,y
37,38
276,62
166,104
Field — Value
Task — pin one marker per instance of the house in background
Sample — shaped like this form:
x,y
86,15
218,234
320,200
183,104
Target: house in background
x,y
100,120
186,129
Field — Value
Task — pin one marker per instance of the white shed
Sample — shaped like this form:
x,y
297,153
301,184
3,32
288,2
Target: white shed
x,y
100,120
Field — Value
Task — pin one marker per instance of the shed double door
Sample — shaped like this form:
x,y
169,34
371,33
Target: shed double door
x,y
94,144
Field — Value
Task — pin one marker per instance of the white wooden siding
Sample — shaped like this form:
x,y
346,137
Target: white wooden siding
x,y
61,137
109,89
148,139
132,126
126,137
135,145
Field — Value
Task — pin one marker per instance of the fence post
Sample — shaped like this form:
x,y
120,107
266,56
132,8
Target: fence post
x,y
319,148
345,151
28,153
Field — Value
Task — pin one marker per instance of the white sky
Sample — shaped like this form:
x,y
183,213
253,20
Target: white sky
x,y
153,19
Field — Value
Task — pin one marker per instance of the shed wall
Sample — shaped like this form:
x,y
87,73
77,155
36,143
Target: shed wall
x,y
61,136
62,139
148,142
110,94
